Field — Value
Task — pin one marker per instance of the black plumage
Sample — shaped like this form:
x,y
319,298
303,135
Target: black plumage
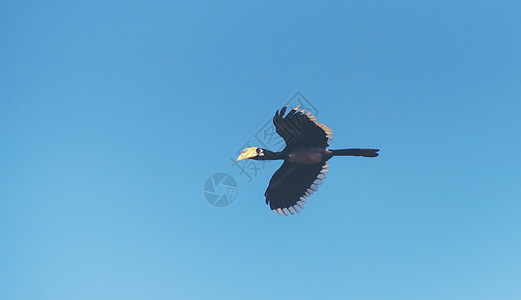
x,y
305,159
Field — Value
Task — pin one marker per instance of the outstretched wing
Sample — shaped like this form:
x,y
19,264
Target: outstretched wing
x,y
292,184
300,129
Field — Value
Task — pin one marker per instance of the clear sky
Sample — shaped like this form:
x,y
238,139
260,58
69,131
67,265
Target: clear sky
x,y
113,114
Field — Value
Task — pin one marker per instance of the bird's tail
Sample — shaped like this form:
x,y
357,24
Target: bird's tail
x,y
356,152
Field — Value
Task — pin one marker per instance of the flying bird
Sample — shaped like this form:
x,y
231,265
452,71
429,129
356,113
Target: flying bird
x,y
305,159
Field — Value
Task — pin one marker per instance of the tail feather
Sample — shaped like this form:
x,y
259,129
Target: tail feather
x,y
356,152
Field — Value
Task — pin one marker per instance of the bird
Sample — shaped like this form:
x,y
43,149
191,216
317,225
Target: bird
x,y
305,156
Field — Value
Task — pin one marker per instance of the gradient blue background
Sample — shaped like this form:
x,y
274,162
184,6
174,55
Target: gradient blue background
x,y
114,113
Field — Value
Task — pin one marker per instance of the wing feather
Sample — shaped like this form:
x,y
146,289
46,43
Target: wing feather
x,y
292,184
299,129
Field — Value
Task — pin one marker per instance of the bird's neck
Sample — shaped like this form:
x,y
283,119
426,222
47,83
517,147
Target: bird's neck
x,y
270,155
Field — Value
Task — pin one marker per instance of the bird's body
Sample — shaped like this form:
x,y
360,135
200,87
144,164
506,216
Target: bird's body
x,y
305,159
309,155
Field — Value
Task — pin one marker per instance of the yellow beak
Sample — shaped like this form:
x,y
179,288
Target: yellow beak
x,y
248,153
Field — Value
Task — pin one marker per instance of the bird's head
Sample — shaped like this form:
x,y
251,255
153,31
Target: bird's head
x,y
251,153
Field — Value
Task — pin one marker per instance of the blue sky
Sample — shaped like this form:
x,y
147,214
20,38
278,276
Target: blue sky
x,y
114,113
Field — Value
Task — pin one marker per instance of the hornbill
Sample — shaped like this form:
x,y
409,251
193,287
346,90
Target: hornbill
x,y
305,159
